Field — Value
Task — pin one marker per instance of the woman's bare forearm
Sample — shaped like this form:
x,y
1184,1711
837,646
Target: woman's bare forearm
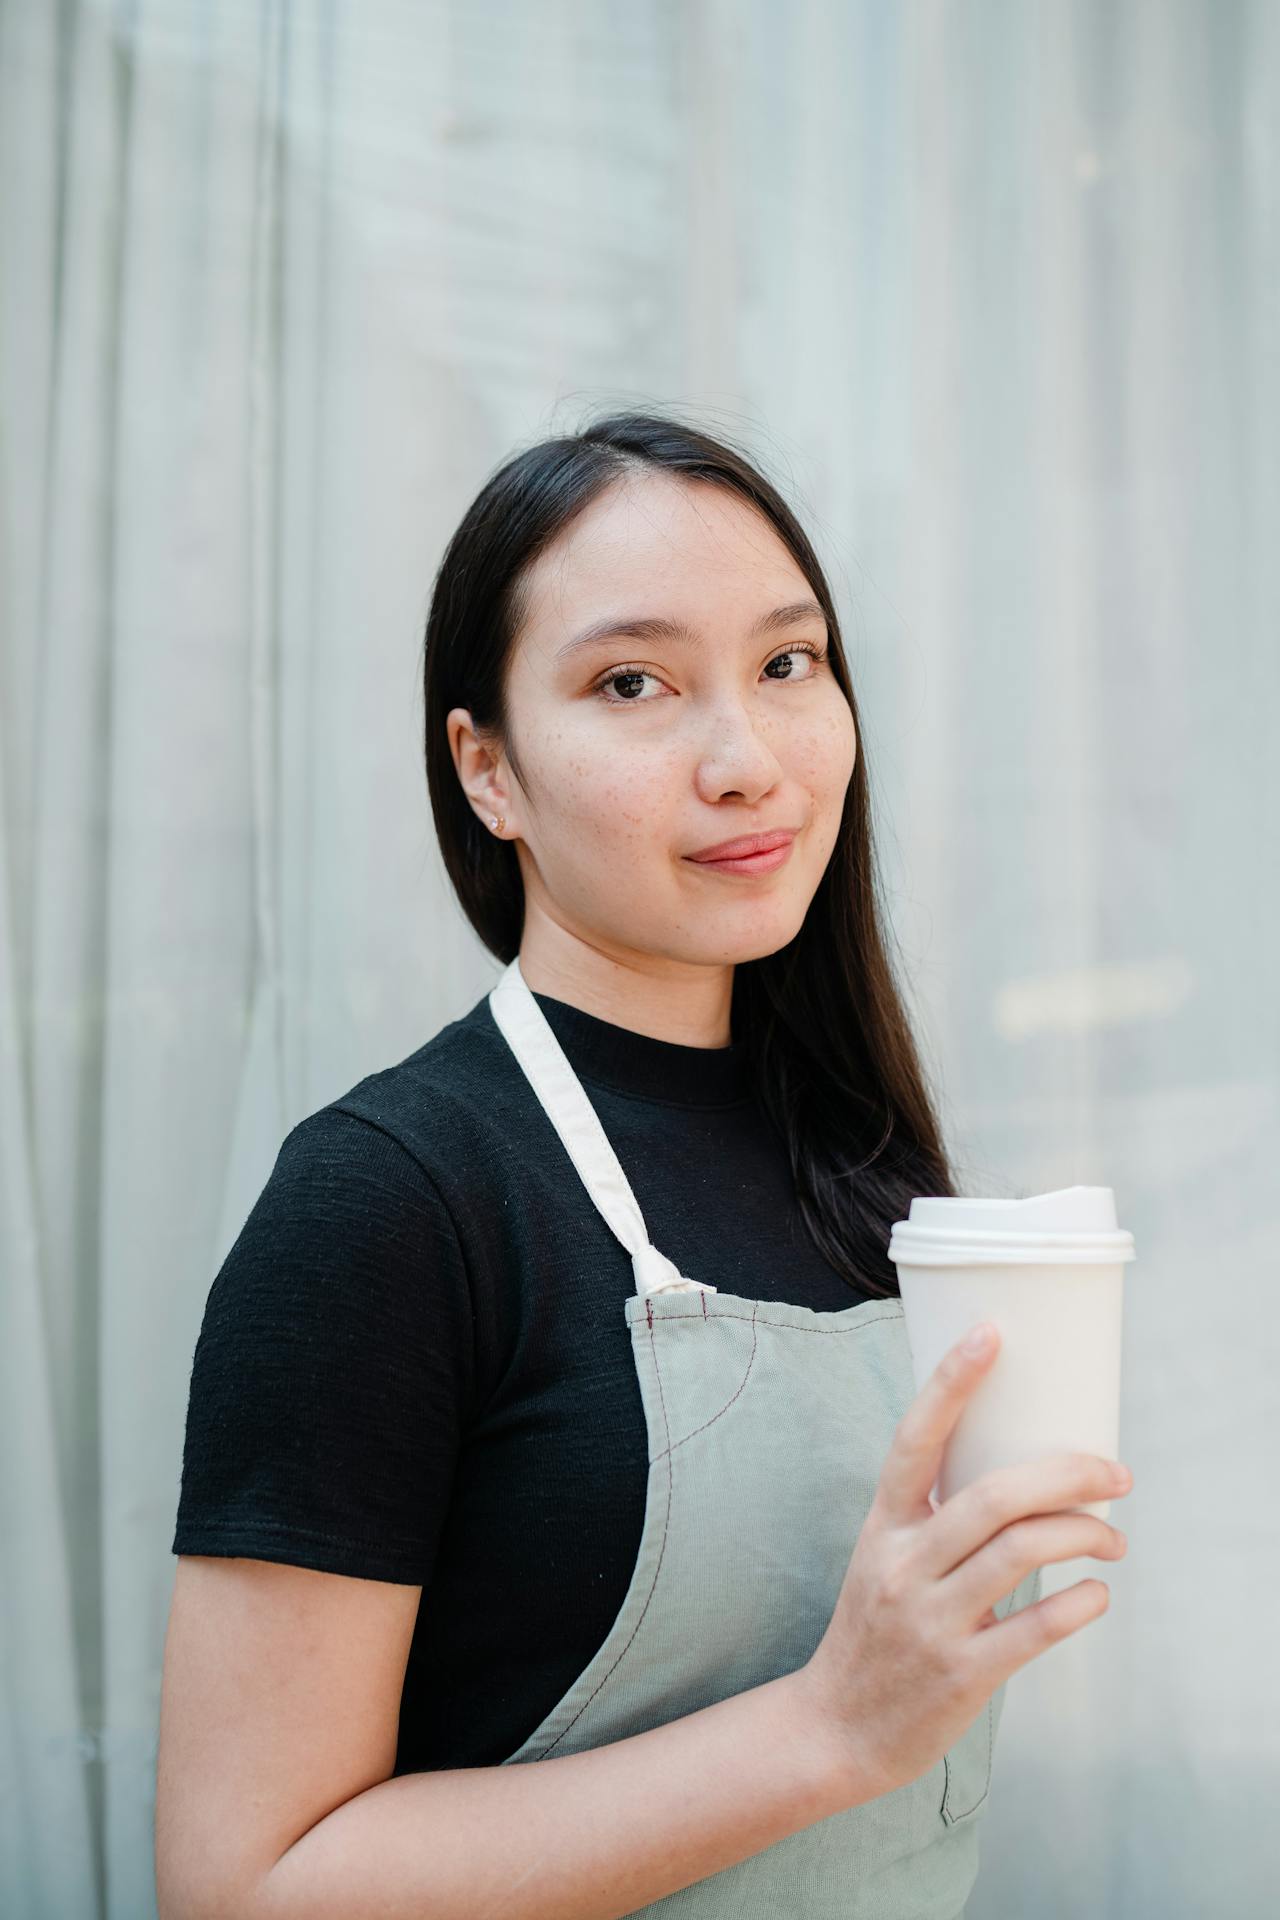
x,y
585,1836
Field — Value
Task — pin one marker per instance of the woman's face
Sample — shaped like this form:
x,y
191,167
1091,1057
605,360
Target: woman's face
x,y
641,749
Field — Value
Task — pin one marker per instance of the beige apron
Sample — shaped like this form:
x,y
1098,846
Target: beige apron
x,y
768,1425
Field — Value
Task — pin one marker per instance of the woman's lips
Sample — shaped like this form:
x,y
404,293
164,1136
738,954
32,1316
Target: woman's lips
x,y
750,863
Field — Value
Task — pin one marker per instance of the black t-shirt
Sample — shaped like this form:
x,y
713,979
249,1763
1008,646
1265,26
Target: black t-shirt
x,y
414,1363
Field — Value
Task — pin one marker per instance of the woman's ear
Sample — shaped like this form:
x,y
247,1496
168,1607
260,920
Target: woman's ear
x,y
478,768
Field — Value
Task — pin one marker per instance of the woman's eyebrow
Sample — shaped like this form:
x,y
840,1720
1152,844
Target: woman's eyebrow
x,y
656,628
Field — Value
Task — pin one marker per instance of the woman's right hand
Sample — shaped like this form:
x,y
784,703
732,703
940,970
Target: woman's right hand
x,y
914,1649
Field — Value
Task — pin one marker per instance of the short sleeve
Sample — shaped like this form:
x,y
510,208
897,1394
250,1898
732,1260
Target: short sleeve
x,y
334,1368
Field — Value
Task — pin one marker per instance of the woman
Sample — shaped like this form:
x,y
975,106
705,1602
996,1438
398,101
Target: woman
x,y
554,1404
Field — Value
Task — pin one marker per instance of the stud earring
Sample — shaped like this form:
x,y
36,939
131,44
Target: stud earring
x,y
498,822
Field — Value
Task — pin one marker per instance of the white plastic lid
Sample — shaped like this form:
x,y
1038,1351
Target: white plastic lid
x,y
1073,1224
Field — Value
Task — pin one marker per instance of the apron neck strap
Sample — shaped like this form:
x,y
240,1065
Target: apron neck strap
x,y
528,1033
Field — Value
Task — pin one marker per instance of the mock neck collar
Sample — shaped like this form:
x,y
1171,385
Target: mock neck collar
x,y
646,1068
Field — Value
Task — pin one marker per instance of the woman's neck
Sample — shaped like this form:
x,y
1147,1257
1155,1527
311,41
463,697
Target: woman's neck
x,y
666,999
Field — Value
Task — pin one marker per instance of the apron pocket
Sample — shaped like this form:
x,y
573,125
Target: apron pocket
x,y
968,1770
968,1763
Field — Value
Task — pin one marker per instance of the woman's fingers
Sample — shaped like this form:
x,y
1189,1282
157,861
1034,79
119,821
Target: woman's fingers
x,y
992,1657
969,1593
915,1453
1000,1505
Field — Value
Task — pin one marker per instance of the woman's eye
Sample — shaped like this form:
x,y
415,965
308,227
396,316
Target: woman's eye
x,y
632,675
815,654
623,674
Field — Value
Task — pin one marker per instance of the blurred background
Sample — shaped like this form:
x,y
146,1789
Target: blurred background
x,y
992,288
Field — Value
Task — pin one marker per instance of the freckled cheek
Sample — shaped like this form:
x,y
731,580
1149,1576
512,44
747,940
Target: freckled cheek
x,y
610,805
822,758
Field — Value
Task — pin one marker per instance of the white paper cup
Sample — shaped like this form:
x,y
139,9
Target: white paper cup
x,y
1048,1271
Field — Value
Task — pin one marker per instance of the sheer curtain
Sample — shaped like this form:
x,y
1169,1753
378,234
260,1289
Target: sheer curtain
x,y
994,290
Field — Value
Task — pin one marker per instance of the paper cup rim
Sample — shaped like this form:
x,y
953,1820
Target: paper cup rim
x,y
951,1246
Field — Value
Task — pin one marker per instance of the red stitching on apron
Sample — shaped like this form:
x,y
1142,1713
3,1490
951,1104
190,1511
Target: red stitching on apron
x,y
755,1346
664,1455
785,1326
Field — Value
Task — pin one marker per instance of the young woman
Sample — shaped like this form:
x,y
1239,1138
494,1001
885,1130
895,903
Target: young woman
x,y
554,1405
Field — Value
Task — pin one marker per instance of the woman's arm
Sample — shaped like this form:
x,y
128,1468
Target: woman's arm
x,y
584,1836
275,1799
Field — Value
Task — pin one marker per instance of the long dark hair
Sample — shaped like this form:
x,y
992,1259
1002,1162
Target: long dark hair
x,y
833,1058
